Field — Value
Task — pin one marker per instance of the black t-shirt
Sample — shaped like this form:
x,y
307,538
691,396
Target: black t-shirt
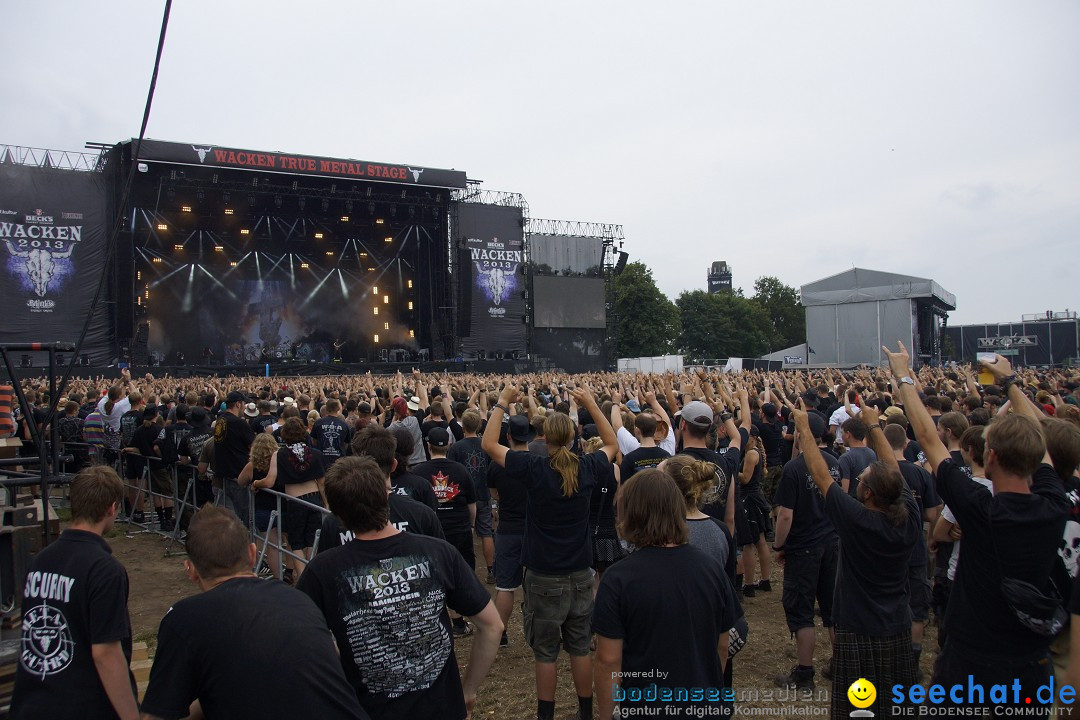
x,y
232,442
913,453
556,527
248,625
512,500
667,606
872,576
192,444
332,436
469,453
797,491
75,596
129,423
299,463
406,514
641,459
259,423
727,471
454,492
852,464
416,487
385,601
772,436
1011,534
921,484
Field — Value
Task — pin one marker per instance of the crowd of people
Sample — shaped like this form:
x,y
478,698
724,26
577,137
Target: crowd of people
x,y
632,514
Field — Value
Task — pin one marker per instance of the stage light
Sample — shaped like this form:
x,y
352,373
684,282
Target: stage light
x,y
371,269
303,265
379,221
232,264
389,239
177,247
376,308
410,284
410,305
329,252
363,254
138,275
376,338
244,231
386,326
162,226
228,211
412,333
375,290
185,208
157,260
318,236
344,218
386,299
219,248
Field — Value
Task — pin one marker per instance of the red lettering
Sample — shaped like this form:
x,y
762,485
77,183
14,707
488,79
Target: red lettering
x,y
220,156
309,164
288,163
231,158
270,160
324,166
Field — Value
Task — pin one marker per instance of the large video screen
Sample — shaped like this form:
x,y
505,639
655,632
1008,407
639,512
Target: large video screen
x,y
568,302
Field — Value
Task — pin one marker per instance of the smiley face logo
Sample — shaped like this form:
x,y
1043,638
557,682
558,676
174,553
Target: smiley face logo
x,y
862,693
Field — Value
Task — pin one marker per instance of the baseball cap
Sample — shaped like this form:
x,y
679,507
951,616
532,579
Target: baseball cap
x,y
768,409
893,411
698,414
633,406
250,410
438,437
233,398
414,403
520,430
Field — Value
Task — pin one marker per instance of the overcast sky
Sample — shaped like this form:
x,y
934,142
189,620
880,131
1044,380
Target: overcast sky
x,y
796,139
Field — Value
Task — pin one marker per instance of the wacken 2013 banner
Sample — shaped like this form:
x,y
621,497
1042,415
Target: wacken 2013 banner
x,y
53,230
494,243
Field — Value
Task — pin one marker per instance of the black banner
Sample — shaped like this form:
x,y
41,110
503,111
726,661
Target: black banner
x,y
493,238
278,162
53,232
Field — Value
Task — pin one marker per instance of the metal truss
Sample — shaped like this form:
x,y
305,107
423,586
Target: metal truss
x,y
474,194
60,159
574,228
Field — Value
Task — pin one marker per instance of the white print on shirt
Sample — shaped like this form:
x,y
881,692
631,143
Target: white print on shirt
x,y
392,612
47,647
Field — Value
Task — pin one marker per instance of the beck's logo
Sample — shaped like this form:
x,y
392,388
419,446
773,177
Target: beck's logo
x,y
416,174
202,151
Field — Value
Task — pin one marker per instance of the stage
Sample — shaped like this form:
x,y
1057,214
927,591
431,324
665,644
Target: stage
x,y
295,369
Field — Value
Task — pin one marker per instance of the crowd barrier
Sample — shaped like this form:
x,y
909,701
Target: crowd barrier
x,y
188,493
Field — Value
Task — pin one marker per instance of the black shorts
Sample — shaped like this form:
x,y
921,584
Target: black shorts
x,y
918,593
508,568
302,522
463,543
808,574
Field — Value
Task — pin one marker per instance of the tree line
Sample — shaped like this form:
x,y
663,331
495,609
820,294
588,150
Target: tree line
x,y
701,325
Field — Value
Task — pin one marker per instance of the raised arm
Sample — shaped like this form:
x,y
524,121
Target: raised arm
x,y
490,441
815,463
878,443
421,390
925,430
607,433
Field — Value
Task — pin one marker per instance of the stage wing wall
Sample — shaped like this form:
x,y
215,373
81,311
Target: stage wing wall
x,y
54,230
493,238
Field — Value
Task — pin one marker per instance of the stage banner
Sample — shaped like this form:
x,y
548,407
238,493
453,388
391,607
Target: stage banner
x,y
53,232
278,162
494,240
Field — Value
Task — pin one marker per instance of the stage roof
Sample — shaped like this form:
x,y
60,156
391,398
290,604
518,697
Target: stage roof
x,y
861,285
209,155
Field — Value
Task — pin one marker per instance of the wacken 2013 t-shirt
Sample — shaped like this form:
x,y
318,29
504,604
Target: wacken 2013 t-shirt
x,y
385,601
75,597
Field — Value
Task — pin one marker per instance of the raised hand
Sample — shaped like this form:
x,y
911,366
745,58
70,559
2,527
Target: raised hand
x,y
899,361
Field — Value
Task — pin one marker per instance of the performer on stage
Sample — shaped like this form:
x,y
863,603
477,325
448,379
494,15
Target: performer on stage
x,y
338,344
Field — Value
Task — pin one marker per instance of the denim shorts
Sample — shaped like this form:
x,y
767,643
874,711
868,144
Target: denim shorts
x,y
483,518
558,609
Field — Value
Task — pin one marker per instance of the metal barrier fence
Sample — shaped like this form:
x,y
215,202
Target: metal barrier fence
x,y
185,498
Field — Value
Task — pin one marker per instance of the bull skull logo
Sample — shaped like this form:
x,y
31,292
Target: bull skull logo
x,y
202,151
416,174
496,281
40,264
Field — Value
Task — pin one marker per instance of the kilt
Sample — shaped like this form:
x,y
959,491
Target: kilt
x,y
883,660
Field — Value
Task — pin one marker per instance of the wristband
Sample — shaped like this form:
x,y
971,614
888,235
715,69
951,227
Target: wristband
x,y
502,407
1007,382
778,549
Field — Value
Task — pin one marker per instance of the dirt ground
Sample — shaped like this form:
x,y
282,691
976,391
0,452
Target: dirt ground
x,y
509,691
